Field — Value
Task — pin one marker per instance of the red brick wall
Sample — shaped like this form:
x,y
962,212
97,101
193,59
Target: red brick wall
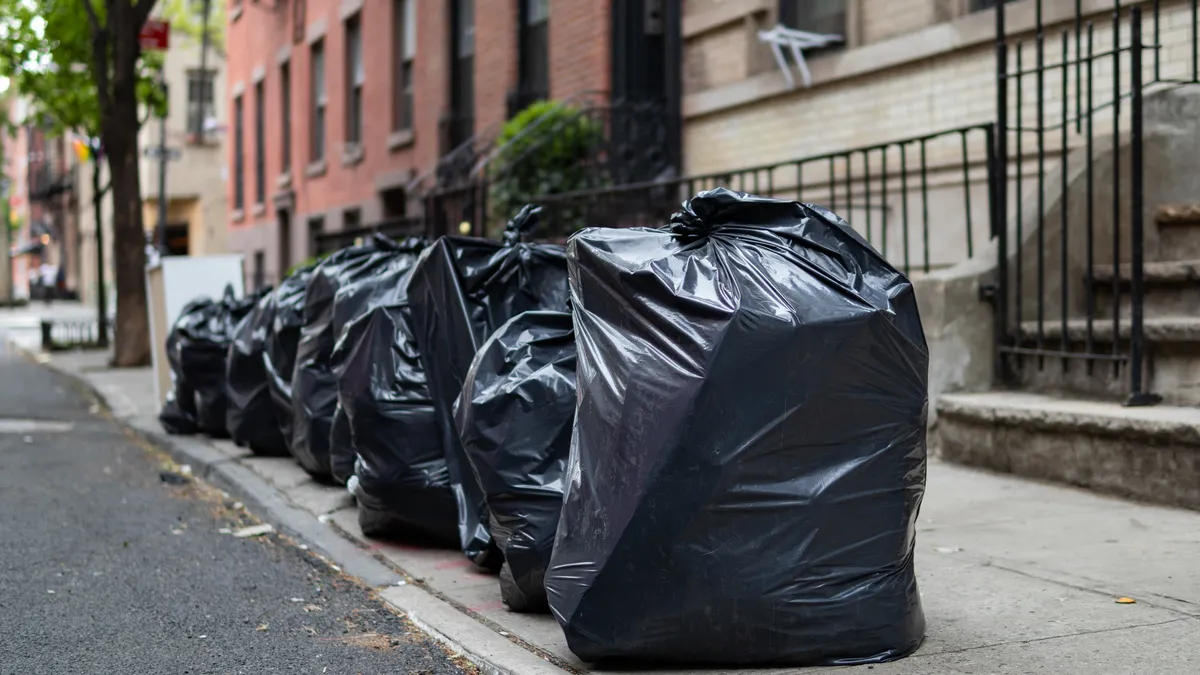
x,y
495,60
256,38
579,53
580,46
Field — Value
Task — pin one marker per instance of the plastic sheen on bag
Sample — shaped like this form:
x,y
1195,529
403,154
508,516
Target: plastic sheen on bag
x,y
461,291
250,416
749,453
514,418
359,289
197,347
401,481
283,339
314,387
205,368
178,414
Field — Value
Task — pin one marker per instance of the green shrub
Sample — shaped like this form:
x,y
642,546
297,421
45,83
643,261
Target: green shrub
x,y
305,263
554,157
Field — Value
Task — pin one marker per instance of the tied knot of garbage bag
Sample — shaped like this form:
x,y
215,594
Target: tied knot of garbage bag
x,y
714,208
523,223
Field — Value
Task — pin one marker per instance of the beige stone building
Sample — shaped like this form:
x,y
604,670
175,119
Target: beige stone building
x,y
196,203
906,68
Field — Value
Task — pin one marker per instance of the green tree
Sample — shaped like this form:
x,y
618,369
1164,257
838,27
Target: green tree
x,y
187,18
80,64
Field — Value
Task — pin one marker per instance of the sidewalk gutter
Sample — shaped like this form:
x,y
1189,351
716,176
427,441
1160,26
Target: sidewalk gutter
x,y
491,652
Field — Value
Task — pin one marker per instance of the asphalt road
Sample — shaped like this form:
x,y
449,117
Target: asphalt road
x,y
106,568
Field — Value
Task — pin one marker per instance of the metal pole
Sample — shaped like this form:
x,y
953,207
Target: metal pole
x,y
1137,395
204,83
162,173
97,213
1000,196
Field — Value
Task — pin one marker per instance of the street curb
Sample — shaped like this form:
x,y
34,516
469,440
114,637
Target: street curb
x,y
491,652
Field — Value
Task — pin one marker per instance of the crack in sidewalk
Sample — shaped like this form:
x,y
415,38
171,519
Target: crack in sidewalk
x,y
1048,638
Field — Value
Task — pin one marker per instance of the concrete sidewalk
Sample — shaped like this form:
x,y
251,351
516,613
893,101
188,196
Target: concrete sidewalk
x,y
1016,577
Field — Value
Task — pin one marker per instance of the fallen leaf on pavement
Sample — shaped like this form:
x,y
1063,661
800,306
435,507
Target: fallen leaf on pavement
x,y
1126,601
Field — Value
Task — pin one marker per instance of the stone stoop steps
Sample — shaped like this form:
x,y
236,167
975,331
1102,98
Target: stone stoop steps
x,y
1066,422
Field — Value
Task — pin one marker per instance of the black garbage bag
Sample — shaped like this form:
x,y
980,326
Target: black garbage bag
x,y
283,338
359,290
402,483
250,416
461,291
314,386
749,453
203,349
514,418
178,414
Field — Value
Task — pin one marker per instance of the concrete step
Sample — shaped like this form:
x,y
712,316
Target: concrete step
x,y
1172,359
1171,287
1149,453
1178,232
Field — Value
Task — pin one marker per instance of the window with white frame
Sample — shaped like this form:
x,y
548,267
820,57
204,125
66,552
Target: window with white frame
x,y
814,16
317,84
404,42
354,80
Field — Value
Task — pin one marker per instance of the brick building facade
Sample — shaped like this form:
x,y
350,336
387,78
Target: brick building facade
x,y
43,222
338,107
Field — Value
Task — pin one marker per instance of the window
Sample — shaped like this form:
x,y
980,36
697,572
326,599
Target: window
x,y
260,270
980,5
317,151
394,203
351,219
354,80
200,101
535,51
299,25
260,170
285,118
284,219
239,169
315,227
462,73
814,16
404,42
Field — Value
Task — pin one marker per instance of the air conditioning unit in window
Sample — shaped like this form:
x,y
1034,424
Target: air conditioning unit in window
x,y
796,41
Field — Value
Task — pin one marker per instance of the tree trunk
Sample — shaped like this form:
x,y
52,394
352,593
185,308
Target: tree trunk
x,y
119,122
132,343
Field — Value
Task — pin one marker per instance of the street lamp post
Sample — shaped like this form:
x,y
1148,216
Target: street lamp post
x,y
97,216
162,168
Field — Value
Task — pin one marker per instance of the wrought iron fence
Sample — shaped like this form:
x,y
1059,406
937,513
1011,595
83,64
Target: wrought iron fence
x,y
59,335
1105,86
397,228
622,142
922,201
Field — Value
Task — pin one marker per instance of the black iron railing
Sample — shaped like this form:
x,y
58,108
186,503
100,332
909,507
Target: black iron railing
x,y
625,142
1031,304
397,228
922,201
60,335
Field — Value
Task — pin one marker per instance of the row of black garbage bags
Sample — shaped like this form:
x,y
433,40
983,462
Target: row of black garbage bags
x,y
703,442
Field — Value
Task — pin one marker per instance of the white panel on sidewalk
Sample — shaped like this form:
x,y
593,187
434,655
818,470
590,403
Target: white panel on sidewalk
x,y
171,283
